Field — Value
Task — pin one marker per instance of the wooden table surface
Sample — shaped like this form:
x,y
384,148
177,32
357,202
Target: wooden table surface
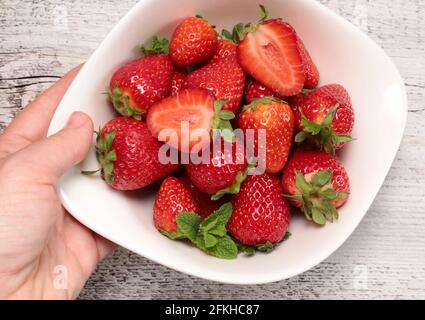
x,y
384,258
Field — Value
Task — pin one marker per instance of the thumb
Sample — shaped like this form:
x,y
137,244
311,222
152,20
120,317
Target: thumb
x,y
53,156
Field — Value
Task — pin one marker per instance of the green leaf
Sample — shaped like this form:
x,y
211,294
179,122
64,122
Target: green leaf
x,y
109,140
90,173
329,194
318,216
309,126
296,197
342,139
301,136
264,14
266,248
227,35
330,116
322,178
287,236
172,235
234,188
210,241
219,104
238,32
228,135
246,250
157,46
302,184
224,249
227,115
219,218
188,224
256,102
111,156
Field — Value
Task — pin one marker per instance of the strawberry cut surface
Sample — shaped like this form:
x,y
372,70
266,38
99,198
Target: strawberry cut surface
x,y
271,55
193,108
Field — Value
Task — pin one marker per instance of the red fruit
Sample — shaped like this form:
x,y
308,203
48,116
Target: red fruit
x,y
270,54
173,198
255,90
128,155
312,76
317,183
324,116
177,81
223,78
194,41
206,205
226,48
185,121
223,173
261,215
137,85
276,117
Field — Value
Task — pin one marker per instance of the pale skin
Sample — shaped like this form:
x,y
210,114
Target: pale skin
x,y
39,240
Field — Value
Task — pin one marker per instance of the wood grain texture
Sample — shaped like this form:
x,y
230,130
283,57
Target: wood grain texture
x,y
39,41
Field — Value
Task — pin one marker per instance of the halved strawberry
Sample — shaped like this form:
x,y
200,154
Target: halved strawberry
x,y
269,52
186,120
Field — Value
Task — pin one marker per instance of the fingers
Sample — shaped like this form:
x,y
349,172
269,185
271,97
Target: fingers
x,y
32,123
50,158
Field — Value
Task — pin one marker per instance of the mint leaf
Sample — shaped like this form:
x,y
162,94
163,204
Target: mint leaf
x,y
210,241
172,235
218,220
188,225
224,249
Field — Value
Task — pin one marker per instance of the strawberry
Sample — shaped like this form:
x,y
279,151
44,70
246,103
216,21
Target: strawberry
x,y
206,205
324,116
177,81
276,117
261,215
185,121
317,183
255,90
223,173
172,199
312,76
223,78
269,52
137,85
128,155
226,48
194,41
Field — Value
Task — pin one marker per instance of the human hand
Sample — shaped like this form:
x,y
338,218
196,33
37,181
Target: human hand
x,y
37,235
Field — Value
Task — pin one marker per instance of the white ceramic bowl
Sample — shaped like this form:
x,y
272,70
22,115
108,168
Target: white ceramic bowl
x,y
343,54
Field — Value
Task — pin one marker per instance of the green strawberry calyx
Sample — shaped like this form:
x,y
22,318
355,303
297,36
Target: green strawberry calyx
x,y
106,155
317,196
221,125
322,135
236,186
242,29
122,104
158,45
260,101
267,247
210,235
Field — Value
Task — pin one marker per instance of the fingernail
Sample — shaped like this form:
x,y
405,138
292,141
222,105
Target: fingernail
x,y
77,120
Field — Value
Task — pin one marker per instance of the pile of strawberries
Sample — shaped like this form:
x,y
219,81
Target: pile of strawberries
x,y
258,77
